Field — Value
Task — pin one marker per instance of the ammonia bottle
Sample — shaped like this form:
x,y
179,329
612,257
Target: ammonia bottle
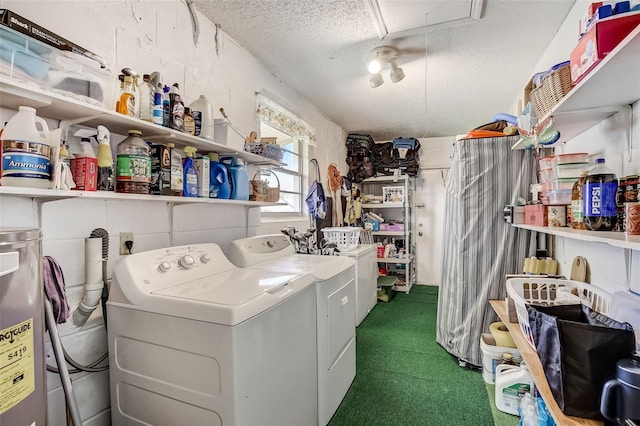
x,y
600,208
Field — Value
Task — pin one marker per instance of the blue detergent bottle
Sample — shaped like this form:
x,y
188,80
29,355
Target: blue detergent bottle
x,y
239,178
219,186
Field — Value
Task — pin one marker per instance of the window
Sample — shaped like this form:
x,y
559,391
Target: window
x,y
293,135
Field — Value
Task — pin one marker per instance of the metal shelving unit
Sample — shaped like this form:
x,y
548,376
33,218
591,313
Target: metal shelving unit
x,y
404,267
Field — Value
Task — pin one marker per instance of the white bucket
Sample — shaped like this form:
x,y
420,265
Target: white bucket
x,y
491,356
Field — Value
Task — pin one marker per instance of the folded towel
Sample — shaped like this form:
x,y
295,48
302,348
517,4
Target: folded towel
x,y
54,288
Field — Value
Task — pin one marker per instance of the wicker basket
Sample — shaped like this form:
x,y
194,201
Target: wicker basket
x,y
553,88
261,190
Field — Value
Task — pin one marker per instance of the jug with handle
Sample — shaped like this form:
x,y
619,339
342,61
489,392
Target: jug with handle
x,y
512,382
620,400
26,151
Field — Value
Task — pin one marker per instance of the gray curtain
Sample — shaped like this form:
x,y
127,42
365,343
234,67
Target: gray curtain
x,y
479,248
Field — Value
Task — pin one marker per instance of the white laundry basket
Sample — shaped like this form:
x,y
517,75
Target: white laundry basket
x,y
346,238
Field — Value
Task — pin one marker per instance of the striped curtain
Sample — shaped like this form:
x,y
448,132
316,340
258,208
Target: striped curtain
x,y
479,248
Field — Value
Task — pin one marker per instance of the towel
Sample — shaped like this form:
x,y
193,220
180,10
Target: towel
x,y
54,288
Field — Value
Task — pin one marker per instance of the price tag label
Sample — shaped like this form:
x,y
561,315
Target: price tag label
x,y
17,364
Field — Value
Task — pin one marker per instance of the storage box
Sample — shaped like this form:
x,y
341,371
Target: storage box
x,y
25,59
572,170
599,41
576,157
584,21
392,226
535,214
85,173
202,172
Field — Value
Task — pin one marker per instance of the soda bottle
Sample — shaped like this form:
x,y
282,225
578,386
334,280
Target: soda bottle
x,y
599,191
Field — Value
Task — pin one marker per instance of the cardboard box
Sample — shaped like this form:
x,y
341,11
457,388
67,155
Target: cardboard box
x,y
202,172
25,26
599,41
85,173
587,17
535,214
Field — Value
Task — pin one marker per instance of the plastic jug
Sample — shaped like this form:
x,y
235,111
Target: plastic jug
x,y
203,112
239,178
219,186
26,151
512,382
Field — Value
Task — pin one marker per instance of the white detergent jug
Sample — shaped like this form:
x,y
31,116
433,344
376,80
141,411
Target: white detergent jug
x,y
26,151
512,382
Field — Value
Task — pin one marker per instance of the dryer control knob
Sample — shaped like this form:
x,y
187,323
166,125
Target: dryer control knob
x,y
164,266
205,258
186,261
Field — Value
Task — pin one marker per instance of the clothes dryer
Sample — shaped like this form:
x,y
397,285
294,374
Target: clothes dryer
x,y
336,312
194,340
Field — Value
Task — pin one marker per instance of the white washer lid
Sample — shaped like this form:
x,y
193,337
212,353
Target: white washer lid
x,y
227,298
320,267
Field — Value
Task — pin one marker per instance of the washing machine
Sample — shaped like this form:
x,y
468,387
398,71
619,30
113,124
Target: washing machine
x,y
334,278
194,340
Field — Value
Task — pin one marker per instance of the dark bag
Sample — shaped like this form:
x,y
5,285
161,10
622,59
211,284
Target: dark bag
x,y
316,200
578,349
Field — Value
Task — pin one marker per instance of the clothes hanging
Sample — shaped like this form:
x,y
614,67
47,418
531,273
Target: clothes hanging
x,y
334,184
316,201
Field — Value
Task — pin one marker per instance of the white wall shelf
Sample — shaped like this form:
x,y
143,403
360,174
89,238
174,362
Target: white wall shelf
x,y
388,233
393,260
616,239
382,206
595,97
54,194
14,94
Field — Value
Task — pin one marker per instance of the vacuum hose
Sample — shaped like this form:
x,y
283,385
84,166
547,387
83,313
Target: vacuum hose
x,y
95,287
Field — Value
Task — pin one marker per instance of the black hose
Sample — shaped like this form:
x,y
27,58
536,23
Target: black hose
x,y
102,233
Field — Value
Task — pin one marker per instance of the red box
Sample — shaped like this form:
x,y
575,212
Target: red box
x,y
601,39
535,214
85,173
588,16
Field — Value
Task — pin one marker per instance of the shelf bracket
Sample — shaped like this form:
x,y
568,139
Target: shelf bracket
x,y
66,124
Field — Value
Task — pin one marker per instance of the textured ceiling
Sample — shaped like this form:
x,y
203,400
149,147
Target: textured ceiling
x,y
458,75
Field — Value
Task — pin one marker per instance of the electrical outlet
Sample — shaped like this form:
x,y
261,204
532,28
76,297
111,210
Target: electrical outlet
x,y
124,237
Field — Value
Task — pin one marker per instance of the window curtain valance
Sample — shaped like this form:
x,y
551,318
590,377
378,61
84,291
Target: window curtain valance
x,y
276,116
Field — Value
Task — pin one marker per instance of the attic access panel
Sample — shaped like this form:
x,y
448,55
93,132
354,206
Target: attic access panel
x,y
404,15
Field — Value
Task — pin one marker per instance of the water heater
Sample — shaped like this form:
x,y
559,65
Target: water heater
x,y
23,398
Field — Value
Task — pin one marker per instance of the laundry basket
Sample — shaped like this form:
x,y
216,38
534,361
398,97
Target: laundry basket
x,y
542,291
345,238
262,187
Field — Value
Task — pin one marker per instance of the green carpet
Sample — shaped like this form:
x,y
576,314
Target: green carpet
x,y
404,377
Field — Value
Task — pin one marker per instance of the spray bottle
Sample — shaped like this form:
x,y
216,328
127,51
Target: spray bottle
x,y
190,175
105,159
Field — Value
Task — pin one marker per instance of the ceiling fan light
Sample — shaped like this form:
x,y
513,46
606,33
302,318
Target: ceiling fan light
x,y
396,73
374,66
376,80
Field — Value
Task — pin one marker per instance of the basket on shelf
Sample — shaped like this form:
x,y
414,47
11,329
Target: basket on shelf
x,y
542,291
261,191
269,150
345,238
553,88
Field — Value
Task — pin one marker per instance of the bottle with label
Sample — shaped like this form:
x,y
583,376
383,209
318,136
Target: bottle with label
x,y
239,178
577,200
166,107
177,108
189,123
26,151
147,95
507,358
133,174
599,191
105,160
190,175
219,186
202,113
127,102
157,106
160,169
512,382
177,176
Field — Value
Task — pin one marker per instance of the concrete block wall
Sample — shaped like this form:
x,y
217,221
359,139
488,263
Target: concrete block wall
x,y
149,36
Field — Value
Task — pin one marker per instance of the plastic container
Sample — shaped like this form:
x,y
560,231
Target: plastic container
x,y
492,355
176,119
203,111
572,170
147,95
543,291
577,212
562,196
563,184
546,175
177,175
219,186
578,157
26,151
133,169
546,162
600,207
346,238
512,383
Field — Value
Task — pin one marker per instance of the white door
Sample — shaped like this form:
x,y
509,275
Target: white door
x,y
429,196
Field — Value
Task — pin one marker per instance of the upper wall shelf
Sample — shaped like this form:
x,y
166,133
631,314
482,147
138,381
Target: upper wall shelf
x,y
48,104
54,194
612,84
616,239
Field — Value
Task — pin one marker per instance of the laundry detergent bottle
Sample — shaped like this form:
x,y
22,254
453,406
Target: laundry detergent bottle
x,y
219,186
26,151
239,178
190,176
